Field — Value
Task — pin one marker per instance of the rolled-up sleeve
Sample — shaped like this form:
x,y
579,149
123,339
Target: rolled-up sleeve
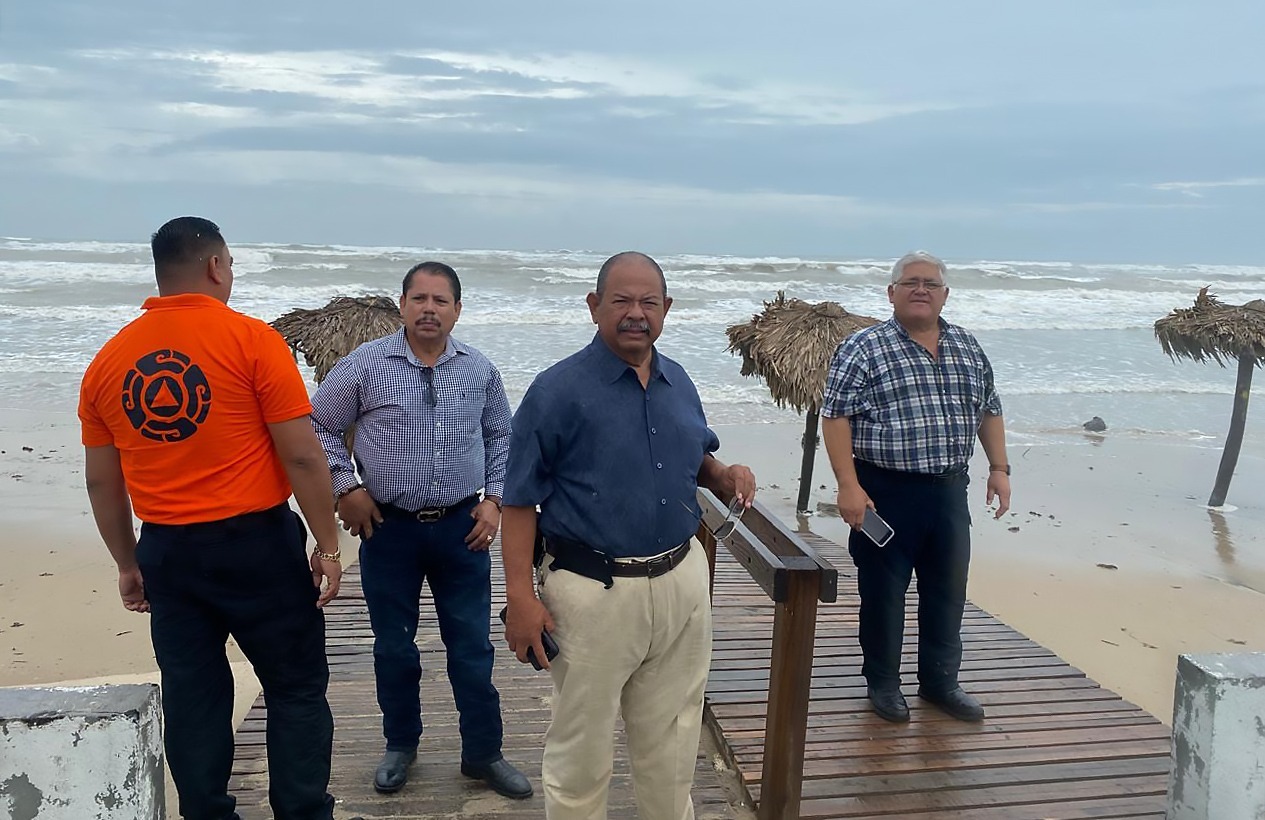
x,y
992,401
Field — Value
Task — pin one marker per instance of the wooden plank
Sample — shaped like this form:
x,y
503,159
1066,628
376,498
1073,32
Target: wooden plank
x,y
1055,744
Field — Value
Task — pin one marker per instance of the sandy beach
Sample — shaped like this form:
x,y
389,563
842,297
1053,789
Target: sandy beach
x,y
1109,556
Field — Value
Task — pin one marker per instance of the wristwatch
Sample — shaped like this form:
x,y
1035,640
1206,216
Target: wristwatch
x,y
999,468
349,490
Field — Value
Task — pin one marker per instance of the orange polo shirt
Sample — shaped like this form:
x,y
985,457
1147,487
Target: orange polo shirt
x,y
186,392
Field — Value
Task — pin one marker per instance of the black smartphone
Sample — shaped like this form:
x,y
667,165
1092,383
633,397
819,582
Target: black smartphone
x,y
546,640
876,529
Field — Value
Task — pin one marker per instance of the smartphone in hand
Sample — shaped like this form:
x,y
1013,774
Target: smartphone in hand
x,y
546,640
876,529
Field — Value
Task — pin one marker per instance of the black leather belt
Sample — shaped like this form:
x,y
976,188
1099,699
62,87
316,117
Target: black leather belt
x,y
947,477
429,514
583,560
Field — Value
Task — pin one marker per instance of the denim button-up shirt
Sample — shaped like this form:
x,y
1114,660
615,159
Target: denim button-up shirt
x,y
611,464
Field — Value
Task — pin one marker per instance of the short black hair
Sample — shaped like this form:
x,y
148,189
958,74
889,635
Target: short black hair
x,y
622,256
437,269
182,242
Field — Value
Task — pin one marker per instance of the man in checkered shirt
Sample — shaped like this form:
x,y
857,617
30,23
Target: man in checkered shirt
x,y
904,402
432,432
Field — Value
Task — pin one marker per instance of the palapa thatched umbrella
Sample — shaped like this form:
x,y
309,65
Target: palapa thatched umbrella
x,y
789,345
327,334
1217,331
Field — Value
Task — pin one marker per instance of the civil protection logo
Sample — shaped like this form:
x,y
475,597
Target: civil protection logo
x,y
165,396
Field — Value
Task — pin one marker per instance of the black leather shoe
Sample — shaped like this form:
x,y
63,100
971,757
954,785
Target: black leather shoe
x,y
955,703
503,778
889,704
392,772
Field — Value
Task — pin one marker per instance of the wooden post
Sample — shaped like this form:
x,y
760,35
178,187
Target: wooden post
x,y
790,679
1234,439
806,466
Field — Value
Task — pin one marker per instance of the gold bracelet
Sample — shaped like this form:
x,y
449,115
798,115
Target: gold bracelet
x,y
336,556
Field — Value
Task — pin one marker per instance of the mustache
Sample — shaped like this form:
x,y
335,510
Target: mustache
x,y
635,324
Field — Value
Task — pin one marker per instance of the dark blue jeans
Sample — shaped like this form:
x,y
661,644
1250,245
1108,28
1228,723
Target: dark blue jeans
x,y
933,540
402,554
248,577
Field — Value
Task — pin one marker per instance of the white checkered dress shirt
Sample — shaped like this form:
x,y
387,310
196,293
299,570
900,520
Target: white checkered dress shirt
x,y
412,451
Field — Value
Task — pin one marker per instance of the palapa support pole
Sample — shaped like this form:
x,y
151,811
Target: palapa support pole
x,y
1234,439
806,466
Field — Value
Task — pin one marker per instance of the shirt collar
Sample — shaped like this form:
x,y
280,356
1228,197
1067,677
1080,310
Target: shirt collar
x,y
182,300
398,346
610,367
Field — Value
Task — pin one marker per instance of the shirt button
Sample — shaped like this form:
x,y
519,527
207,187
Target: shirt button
x,y
663,501
653,431
659,465
438,424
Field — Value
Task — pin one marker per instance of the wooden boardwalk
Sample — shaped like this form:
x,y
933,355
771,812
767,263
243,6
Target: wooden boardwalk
x,y
1055,744
436,788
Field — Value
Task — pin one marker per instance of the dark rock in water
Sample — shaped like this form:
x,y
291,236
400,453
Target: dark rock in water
x,y
1095,425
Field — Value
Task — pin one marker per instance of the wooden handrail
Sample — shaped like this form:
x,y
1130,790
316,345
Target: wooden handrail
x,y
795,578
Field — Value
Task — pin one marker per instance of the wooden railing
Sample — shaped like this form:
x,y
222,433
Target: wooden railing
x,y
795,578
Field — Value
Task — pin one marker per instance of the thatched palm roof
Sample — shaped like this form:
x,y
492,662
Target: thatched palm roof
x,y
327,334
789,345
1213,330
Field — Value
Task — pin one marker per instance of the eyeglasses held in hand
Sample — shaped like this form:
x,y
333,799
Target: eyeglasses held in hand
x,y
736,508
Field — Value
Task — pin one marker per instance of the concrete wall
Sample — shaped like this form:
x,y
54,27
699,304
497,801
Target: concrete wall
x,y
1218,738
92,753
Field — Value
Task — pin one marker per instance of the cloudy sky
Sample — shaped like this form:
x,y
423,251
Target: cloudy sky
x,y
1085,130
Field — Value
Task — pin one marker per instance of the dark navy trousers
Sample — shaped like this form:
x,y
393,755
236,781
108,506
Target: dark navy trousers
x,y
248,577
403,554
932,522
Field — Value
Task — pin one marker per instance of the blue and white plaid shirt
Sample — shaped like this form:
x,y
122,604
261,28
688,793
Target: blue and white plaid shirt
x,y
910,411
415,449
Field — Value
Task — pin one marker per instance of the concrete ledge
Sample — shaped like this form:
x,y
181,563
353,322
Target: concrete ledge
x,y
81,753
1218,768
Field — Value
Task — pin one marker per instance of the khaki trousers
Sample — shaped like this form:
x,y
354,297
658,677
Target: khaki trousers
x,y
642,647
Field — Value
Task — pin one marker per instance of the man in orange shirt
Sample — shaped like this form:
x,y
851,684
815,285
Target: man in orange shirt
x,y
195,416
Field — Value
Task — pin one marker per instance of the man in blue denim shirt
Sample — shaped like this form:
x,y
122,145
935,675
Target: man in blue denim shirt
x,y
612,444
432,430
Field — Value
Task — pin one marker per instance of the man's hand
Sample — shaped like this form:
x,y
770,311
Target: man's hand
x,y
487,519
329,571
998,488
359,513
132,590
524,621
740,477
852,501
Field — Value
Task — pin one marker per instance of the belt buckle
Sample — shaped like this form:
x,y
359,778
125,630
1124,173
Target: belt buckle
x,y
654,564
428,516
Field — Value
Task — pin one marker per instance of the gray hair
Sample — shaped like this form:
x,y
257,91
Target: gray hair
x,y
898,270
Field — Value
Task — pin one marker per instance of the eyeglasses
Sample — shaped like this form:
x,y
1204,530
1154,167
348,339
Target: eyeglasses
x,y
736,508
915,284
428,376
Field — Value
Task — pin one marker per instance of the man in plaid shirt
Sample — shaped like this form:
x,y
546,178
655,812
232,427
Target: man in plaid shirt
x,y
432,432
904,402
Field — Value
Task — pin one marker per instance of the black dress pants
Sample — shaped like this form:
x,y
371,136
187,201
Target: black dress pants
x,y
932,522
248,577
